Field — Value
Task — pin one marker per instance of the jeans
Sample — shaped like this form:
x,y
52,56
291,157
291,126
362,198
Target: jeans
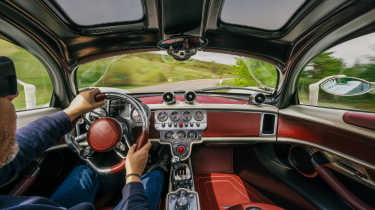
x,y
153,183
83,183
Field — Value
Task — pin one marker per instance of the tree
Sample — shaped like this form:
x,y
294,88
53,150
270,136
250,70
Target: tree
x,y
252,72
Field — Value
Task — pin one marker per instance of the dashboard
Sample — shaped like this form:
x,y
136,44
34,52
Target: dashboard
x,y
181,125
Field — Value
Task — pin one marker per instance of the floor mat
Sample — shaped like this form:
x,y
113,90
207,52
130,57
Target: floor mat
x,y
220,191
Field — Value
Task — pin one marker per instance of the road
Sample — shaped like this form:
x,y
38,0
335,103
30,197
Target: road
x,y
183,85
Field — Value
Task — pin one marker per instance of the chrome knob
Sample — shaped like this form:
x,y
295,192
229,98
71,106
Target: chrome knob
x,y
182,202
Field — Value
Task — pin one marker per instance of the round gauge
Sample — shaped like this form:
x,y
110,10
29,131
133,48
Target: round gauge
x,y
181,135
175,116
135,116
191,135
199,116
186,116
169,135
162,116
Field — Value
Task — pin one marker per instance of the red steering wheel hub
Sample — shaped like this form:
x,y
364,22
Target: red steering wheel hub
x,y
104,133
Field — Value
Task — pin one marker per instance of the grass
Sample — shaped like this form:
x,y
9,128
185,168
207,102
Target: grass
x,y
145,69
30,70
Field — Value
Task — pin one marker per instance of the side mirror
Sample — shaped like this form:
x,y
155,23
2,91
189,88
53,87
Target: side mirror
x,y
182,47
339,85
346,86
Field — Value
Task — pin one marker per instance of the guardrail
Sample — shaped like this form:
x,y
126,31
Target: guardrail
x,y
30,94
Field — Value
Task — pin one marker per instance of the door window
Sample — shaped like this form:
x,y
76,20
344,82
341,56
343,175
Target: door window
x,y
341,77
34,84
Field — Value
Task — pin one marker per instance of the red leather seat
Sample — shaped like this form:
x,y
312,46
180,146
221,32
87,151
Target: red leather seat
x,y
255,206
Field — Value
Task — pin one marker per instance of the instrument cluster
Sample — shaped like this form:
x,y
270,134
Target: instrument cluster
x,y
180,124
180,128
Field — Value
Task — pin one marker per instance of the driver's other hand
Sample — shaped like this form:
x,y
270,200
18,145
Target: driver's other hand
x,y
82,103
136,162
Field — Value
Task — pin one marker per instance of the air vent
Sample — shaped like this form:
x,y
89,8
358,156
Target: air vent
x,y
268,124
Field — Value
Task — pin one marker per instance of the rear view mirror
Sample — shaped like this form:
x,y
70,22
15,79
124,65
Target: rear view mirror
x,y
346,86
182,47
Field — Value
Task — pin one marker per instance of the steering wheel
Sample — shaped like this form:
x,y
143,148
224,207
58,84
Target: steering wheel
x,y
106,133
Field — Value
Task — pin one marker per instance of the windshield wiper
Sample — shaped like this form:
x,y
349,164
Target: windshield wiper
x,y
259,89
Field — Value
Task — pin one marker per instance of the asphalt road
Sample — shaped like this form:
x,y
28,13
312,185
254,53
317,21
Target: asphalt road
x,y
183,85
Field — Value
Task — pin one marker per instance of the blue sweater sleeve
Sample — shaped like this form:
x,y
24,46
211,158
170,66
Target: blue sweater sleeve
x,y
133,197
34,139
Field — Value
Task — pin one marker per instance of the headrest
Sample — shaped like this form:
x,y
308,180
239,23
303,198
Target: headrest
x,y
8,79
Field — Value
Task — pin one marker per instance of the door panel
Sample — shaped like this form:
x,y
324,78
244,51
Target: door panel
x,y
364,120
25,117
349,147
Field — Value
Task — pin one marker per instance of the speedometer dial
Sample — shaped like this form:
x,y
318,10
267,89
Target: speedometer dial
x,y
162,116
199,116
186,116
136,117
175,116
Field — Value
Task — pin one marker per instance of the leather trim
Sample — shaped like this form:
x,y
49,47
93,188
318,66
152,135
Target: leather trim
x,y
236,124
218,191
325,116
332,137
261,171
118,167
261,206
141,141
215,159
340,154
104,134
365,120
341,190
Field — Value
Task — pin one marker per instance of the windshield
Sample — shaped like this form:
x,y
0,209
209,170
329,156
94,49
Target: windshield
x,y
158,72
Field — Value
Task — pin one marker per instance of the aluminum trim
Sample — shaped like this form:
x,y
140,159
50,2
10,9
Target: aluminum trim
x,y
271,139
221,107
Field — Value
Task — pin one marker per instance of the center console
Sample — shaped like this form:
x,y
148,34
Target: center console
x,y
181,129
181,194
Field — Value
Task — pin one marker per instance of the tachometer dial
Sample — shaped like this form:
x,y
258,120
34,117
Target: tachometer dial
x,y
136,117
162,116
199,116
175,116
186,116
181,135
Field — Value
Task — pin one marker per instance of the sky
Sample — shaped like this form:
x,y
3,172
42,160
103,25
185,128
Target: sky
x,y
211,57
356,49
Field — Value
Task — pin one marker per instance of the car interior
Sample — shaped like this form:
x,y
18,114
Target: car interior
x,y
227,147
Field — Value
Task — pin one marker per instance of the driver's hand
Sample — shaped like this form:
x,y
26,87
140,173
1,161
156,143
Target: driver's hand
x,y
136,162
82,103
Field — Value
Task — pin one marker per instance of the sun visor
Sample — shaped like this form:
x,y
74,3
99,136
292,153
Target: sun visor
x,y
8,79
